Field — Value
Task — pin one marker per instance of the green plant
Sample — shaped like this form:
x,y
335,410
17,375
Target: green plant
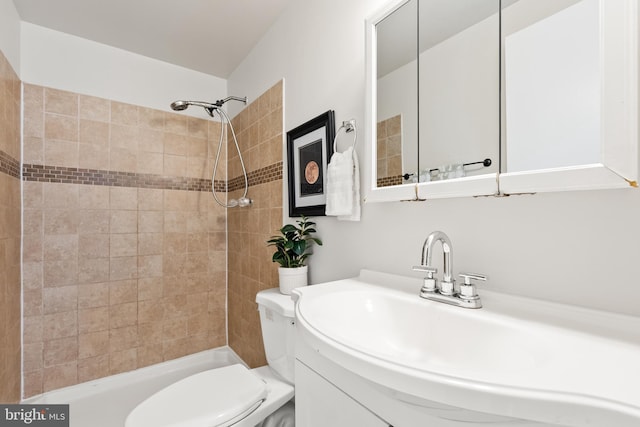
x,y
293,243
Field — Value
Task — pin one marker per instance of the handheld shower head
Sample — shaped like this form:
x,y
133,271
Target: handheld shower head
x,y
179,105
183,105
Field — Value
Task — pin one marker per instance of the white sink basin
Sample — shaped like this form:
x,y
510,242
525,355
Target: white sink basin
x,y
515,357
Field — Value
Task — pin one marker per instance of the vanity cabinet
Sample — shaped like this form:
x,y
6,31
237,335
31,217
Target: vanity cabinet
x,y
319,403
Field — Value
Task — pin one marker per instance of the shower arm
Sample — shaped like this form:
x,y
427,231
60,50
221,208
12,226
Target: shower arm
x,y
220,102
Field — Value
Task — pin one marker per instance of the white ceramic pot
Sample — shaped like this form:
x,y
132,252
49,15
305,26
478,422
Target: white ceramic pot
x,y
291,278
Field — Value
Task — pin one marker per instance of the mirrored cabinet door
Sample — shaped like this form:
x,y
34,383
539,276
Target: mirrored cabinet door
x,y
570,95
397,95
433,98
459,64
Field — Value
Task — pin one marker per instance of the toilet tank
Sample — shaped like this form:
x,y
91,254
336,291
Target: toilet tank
x,y
278,331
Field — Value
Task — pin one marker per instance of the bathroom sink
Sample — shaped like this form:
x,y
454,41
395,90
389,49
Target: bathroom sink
x,y
515,357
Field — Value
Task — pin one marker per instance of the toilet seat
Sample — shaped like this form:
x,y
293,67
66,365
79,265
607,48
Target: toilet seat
x,y
217,397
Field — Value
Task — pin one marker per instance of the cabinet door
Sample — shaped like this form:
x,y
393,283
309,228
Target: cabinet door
x,y
319,404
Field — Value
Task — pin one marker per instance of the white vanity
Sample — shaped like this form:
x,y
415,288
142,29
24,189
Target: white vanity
x,y
371,352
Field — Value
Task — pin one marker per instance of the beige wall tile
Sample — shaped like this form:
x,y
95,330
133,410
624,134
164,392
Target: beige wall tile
x,y
150,118
60,351
60,246
121,315
123,291
123,338
93,270
93,320
149,355
123,361
61,102
123,268
93,368
150,199
61,299
150,243
176,144
150,163
150,221
61,128
92,156
92,108
60,325
149,289
60,376
33,383
122,245
60,221
150,266
175,165
150,141
123,137
123,221
61,153
123,159
60,273
93,295
175,123
33,150
94,221
33,356
94,133
126,114
93,246
60,196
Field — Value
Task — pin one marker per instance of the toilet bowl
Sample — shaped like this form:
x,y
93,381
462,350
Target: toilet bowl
x,y
233,395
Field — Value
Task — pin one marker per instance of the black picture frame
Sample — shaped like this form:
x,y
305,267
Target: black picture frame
x,y
309,149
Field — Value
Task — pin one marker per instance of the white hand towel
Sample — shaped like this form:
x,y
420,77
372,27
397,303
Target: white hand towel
x,y
343,186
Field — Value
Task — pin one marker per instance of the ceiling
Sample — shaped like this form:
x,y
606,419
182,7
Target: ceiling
x,y
211,36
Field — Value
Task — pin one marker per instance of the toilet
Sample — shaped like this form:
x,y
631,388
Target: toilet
x,y
234,395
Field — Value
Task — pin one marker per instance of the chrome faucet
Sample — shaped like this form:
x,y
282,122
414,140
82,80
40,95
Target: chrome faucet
x,y
446,292
447,284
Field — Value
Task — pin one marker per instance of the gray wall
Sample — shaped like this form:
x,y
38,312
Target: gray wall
x,y
577,247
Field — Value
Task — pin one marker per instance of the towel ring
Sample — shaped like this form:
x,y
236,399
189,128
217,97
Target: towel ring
x,y
348,126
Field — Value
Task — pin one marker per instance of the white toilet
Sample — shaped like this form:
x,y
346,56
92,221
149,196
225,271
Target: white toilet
x,y
234,395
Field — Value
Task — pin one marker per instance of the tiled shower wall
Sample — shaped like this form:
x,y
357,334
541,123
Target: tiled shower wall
x,y
124,248
10,99
259,128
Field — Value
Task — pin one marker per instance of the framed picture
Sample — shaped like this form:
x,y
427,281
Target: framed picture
x,y
309,149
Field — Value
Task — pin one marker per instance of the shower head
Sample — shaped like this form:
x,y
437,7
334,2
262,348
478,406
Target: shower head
x,y
183,105
179,105
210,107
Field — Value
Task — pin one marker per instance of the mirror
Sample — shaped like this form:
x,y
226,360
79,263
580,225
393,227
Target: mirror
x,y
570,95
435,68
397,95
545,89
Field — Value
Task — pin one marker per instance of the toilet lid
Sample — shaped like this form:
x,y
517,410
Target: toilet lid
x,y
209,398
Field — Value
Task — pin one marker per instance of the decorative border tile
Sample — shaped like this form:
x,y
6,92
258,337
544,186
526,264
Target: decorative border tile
x,y
9,165
66,175
261,176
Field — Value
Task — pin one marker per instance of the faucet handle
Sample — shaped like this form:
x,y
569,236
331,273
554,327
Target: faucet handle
x,y
430,283
426,268
468,289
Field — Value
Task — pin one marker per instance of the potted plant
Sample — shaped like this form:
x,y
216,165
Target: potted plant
x,y
292,250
